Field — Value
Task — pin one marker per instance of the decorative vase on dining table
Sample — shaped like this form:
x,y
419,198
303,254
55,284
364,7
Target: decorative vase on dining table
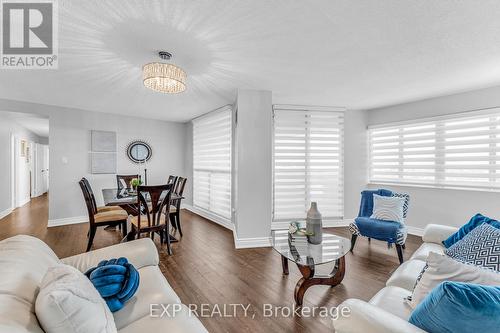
x,y
314,225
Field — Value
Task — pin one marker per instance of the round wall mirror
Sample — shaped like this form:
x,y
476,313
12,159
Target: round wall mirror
x,y
139,151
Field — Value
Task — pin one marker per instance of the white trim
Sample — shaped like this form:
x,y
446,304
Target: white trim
x,y
475,112
246,243
210,216
68,220
24,201
5,212
415,231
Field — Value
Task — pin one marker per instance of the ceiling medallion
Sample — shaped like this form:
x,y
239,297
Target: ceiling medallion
x,y
163,77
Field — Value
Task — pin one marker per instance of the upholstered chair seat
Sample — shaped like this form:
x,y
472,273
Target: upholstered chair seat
x,y
112,215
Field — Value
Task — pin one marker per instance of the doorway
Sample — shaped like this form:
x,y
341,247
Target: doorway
x,y
25,137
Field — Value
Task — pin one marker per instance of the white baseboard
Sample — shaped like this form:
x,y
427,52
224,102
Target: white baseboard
x,y
209,216
245,243
5,213
68,220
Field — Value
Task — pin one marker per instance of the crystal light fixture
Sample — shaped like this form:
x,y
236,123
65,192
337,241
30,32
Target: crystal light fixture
x,y
163,77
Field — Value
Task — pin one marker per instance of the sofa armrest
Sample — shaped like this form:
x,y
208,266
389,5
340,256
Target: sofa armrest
x,y
365,317
140,253
436,233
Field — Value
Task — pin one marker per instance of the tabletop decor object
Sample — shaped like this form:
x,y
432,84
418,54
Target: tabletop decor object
x,y
314,225
134,183
116,280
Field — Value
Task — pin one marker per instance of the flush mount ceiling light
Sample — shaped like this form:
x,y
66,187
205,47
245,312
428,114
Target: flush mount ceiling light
x,y
162,77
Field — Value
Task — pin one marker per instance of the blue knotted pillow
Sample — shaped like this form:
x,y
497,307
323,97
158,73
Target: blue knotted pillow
x,y
116,280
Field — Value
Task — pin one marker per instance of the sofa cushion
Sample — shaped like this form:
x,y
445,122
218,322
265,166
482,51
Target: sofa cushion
x,y
459,307
24,260
480,247
68,302
474,222
180,321
153,289
406,274
443,268
423,251
17,315
392,299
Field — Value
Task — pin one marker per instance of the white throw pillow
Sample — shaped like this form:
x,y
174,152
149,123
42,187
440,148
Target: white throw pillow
x,y
68,302
442,268
388,208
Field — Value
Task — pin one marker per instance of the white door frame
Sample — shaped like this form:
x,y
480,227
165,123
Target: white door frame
x,y
13,182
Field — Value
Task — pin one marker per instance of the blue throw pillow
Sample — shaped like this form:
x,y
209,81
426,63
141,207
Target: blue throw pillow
x,y
475,221
454,307
480,247
116,280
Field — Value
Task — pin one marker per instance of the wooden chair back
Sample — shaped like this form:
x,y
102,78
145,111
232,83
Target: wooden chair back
x,y
90,192
126,179
172,180
179,190
159,203
91,210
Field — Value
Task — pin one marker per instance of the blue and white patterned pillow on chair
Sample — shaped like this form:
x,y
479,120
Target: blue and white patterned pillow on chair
x,y
406,204
388,208
480,247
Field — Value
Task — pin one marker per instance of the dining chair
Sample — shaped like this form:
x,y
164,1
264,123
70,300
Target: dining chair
x,y
104,218
153,202
98,209
123,181
175,208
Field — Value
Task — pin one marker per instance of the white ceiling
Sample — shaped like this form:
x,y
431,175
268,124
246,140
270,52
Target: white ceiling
x,y
351,53
32,122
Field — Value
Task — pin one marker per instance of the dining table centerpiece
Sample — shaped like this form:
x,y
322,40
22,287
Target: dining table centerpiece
x,y
134,183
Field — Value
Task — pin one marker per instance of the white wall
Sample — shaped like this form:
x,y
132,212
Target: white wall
x,y
355,161
253,164
9,127
70,141
431,205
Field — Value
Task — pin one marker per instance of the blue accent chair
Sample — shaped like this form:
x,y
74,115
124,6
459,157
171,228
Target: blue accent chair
x,y
388,231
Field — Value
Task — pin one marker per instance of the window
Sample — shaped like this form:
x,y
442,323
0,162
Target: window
x,y
461,151
212,162
308,163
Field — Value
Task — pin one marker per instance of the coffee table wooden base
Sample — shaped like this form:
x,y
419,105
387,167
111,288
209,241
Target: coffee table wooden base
x,y
308,279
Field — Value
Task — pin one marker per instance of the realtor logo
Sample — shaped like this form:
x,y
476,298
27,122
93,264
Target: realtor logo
x,y
29,34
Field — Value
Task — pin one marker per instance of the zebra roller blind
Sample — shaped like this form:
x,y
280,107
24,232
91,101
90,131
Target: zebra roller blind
x,y
458,151
307,163
212,162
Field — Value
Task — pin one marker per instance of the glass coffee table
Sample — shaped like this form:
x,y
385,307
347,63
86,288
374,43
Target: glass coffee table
x,y
309,256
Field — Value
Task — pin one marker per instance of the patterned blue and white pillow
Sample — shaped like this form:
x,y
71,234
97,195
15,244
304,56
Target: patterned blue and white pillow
x,y
388,208
480,247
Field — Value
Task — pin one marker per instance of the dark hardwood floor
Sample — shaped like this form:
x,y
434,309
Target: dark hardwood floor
x,y
205,268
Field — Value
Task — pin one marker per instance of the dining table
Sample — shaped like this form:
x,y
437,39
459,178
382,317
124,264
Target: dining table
x,y
127,200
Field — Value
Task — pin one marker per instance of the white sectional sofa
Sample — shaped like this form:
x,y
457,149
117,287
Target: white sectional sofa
x,y
24,261
387,311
